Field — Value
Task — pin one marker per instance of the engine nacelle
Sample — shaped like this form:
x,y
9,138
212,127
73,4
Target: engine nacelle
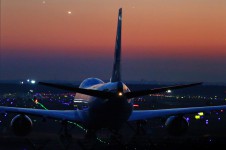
x,y
176,125
21,125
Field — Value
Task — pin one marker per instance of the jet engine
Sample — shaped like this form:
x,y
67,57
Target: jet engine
x,y
21,125
176,125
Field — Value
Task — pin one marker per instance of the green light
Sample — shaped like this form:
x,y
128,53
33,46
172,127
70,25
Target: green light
x,y
77,125
102,141
42,106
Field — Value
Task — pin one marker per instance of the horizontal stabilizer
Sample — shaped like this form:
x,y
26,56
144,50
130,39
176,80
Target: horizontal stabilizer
x,y
158,90
106,95
95,93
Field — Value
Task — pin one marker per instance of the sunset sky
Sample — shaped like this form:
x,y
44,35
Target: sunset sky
x,y
162,40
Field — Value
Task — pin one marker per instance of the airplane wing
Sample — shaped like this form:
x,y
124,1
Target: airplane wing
x,y
149,114
68,115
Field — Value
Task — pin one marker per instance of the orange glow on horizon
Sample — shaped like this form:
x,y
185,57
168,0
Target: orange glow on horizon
x,y
173,28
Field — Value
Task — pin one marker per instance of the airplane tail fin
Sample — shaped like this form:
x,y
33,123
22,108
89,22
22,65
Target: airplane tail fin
x,y
116,74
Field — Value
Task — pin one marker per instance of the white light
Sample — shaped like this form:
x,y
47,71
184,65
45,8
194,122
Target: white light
x,y
169,91
28,80
33,81
69,12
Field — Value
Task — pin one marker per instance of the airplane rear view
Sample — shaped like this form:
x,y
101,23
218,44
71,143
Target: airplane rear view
x,y
108,105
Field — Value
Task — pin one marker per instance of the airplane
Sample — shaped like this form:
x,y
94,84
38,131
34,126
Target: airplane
x,y
108,105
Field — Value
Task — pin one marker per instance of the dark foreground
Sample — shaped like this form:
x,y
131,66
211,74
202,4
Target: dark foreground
x,y
50,141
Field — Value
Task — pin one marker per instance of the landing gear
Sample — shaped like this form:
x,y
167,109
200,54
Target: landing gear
x,y
90,140
117,138
140,130
90,134
65,137
64,129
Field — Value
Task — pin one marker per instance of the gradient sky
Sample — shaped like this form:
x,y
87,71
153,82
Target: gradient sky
x,y
162,40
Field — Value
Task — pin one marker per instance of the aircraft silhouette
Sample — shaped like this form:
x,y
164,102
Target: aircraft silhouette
x,y
107,105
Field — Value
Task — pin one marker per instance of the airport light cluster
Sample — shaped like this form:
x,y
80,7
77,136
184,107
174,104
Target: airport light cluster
x,y
31,81
28,81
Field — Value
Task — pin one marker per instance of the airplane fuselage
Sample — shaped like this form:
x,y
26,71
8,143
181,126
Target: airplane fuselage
x,y
105,113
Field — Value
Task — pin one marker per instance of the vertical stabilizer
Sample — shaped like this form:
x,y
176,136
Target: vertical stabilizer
x,y
116,74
